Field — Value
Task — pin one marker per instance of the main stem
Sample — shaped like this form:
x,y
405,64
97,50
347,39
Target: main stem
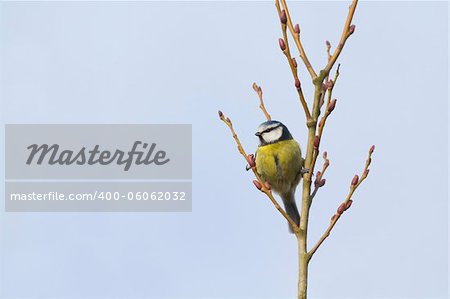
x,y
302,270
303,258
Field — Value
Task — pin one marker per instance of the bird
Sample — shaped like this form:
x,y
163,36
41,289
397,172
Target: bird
x,y
279,162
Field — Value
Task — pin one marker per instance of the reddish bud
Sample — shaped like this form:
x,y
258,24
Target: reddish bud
x,y
257,184
220,114
330,84
316,142
366,172
341,208
251,160
322,183
325,155
331,106
297,83
283,17
267,185
355,180
318,179
282,44
372,148
294,62
348,204
297,29
328,44
256,87
228,120
351,29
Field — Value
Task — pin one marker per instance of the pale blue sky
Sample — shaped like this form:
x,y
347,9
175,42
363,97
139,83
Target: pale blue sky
x,y
155,62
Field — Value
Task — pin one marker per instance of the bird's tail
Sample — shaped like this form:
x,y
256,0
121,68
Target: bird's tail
x,y
291,208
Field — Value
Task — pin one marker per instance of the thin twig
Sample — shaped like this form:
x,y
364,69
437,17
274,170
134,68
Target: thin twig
x,y
259,91
292,63
298,42
328,45
346,32
345,205
318,181
331,87
264,188
329,108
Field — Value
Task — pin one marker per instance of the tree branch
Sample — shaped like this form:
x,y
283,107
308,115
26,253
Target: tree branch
x,y
347,31
330,105
258,90
319,181
284,45
346,204
295,32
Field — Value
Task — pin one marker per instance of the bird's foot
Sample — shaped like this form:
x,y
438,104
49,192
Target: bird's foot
x,y
304,170
251,162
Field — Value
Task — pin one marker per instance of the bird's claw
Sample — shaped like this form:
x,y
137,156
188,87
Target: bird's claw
x,y
251,162
304,170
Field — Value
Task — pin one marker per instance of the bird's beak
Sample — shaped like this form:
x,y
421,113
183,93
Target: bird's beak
x,y
258,134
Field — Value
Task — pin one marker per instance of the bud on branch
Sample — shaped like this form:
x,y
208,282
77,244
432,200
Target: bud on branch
x,y
316,142
331,106
330,84
294,62
282,44
351,29
348,204
366,172
283,17
257,184
341,208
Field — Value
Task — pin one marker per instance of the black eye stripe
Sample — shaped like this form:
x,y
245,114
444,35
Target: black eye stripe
x,y
269,129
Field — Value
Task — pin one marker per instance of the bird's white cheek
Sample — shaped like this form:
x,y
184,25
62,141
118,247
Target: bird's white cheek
x,y
273,135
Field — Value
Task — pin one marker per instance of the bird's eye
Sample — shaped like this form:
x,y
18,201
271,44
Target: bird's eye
x,y
269,129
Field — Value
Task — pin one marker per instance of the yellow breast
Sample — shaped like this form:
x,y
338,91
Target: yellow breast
x,y
279,164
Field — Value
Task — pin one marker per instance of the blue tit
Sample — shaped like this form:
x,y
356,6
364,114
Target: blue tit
x,y
279,162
